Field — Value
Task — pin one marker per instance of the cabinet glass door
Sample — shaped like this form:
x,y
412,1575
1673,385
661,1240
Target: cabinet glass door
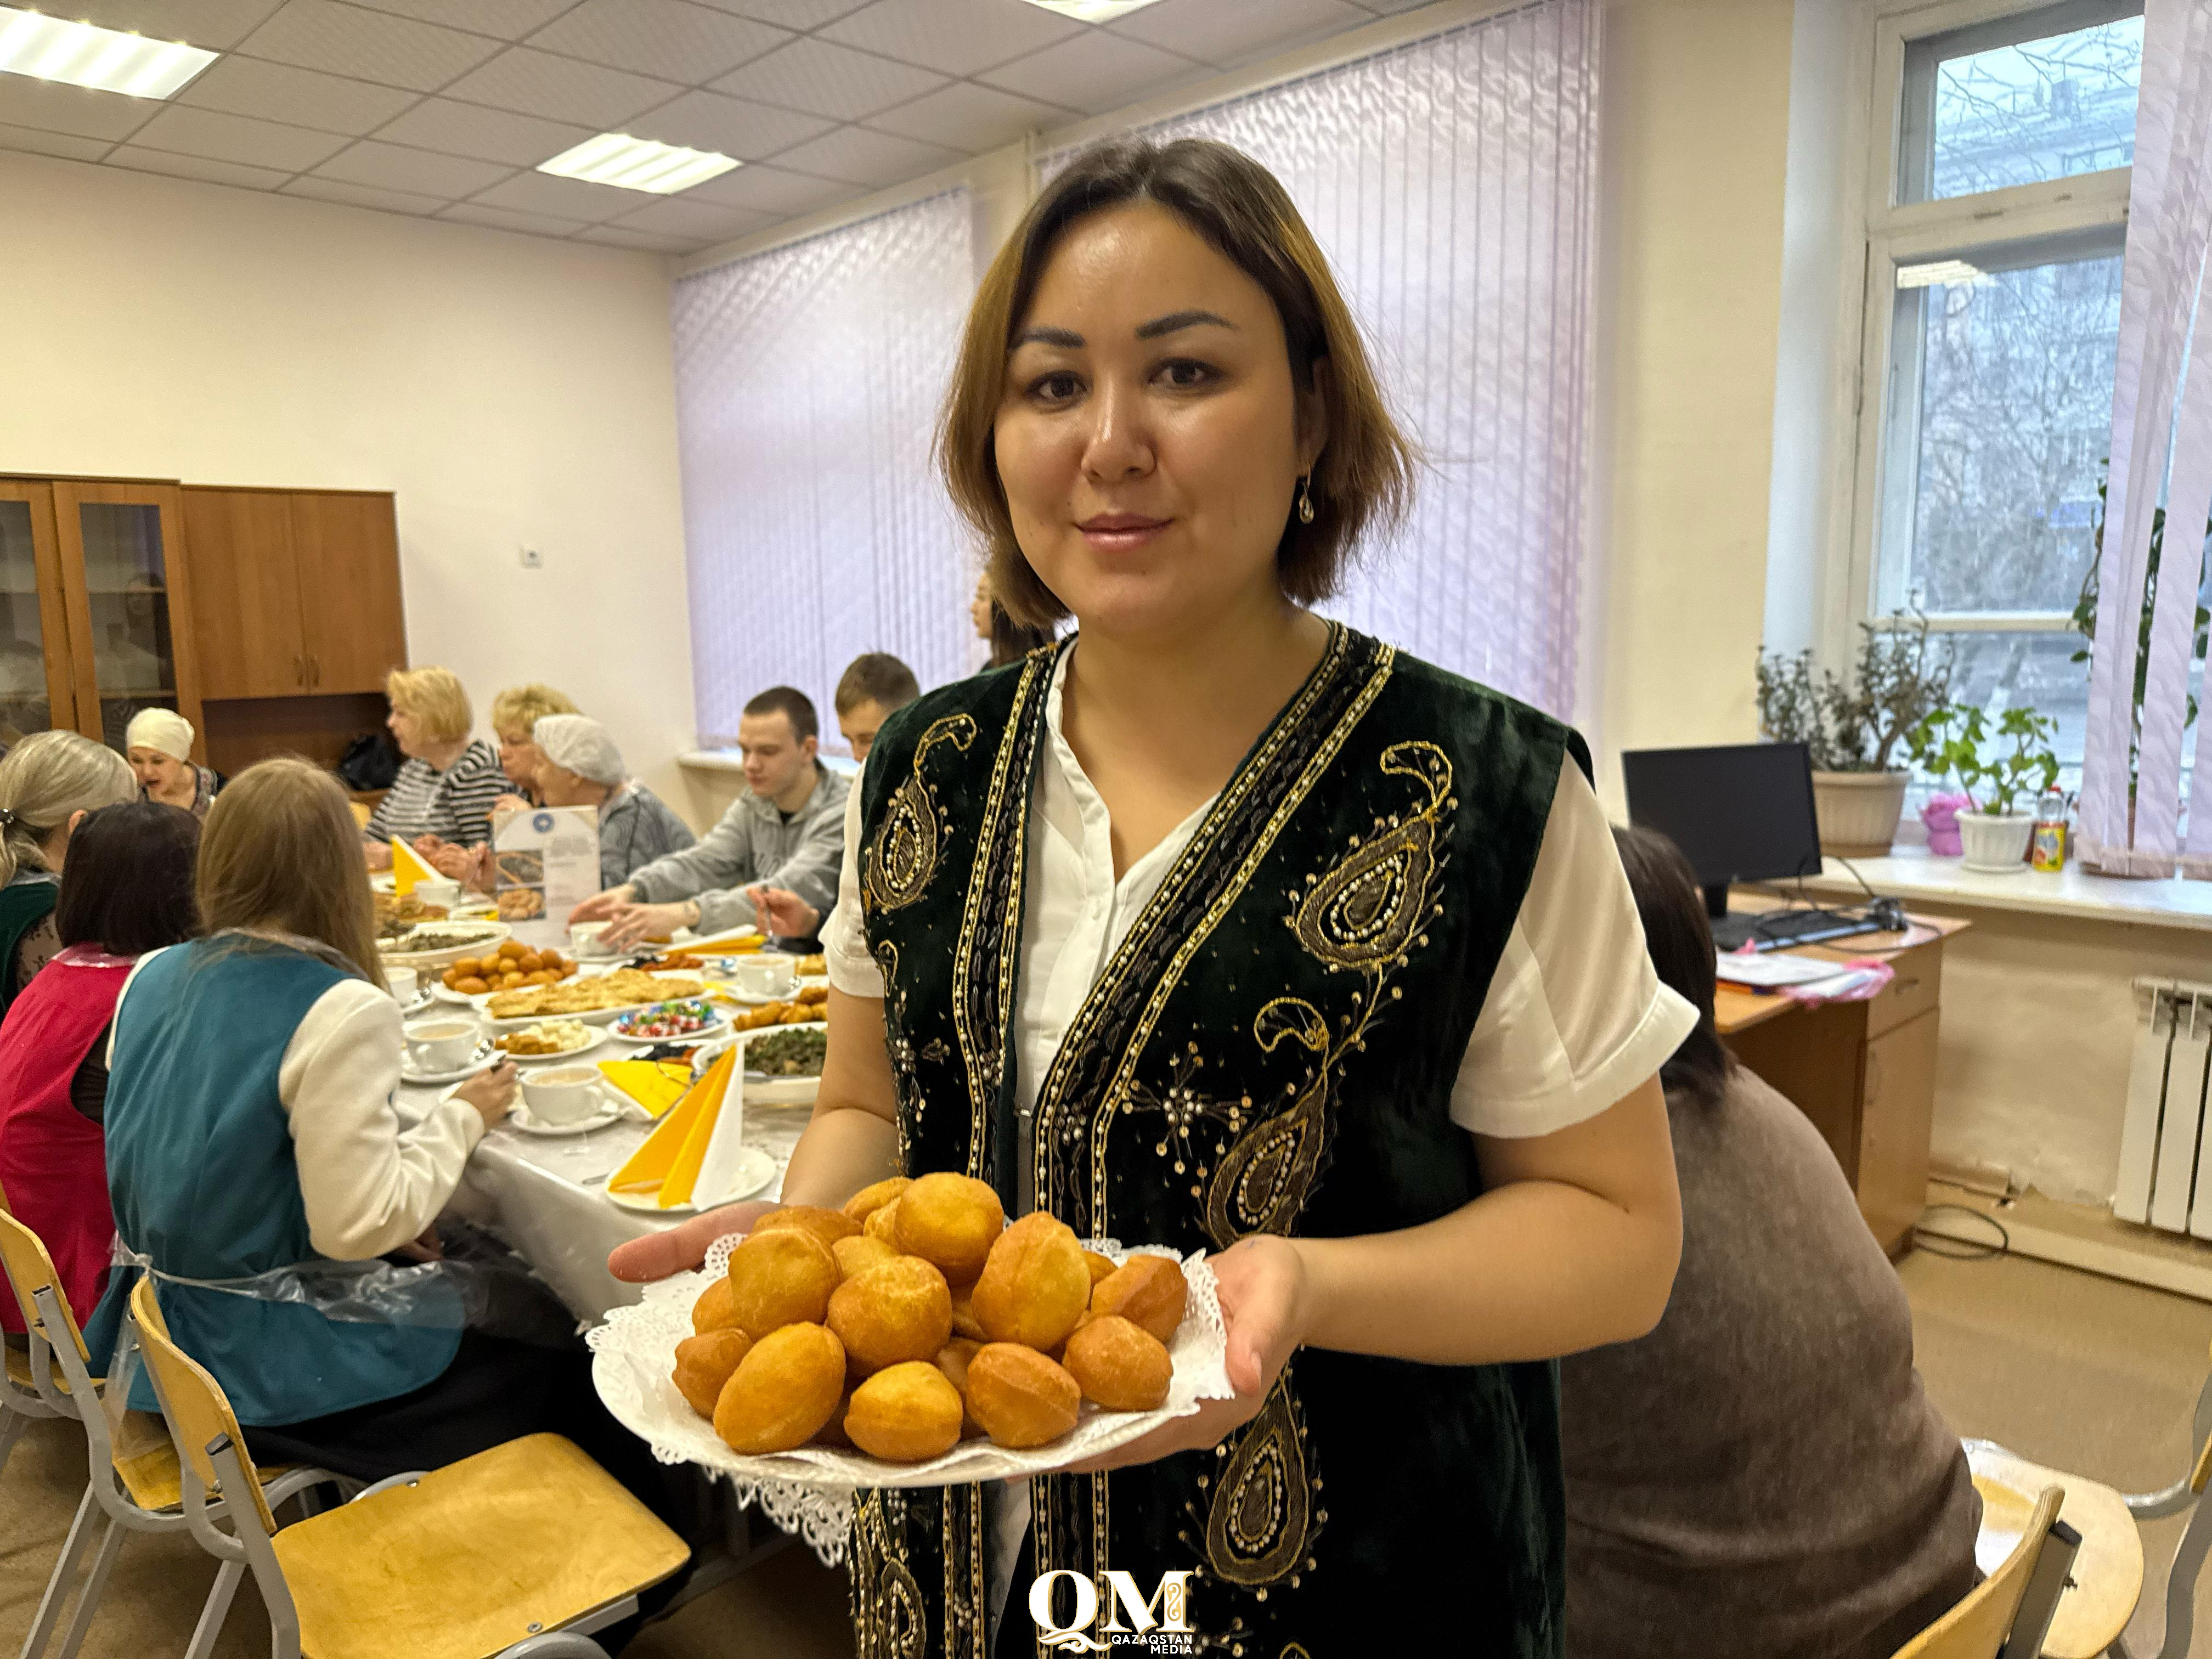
x,y
32,687
120,548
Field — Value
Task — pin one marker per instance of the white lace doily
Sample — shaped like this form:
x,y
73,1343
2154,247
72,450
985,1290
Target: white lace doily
x,y
809,1491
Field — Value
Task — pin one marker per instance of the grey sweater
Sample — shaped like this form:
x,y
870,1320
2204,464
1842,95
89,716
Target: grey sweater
x,y
754,844
1762,1477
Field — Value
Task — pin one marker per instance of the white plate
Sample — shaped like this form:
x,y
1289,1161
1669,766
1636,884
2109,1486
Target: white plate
x,y
704,1034
782,1091
755,1168
482,1003
518,1117
486,1057
438,957
597,1036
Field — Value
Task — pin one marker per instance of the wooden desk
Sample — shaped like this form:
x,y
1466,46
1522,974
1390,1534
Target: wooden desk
x,y
1863,1072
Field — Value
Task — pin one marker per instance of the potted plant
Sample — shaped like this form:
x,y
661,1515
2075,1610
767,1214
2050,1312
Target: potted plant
x,y
1853,726
2002,782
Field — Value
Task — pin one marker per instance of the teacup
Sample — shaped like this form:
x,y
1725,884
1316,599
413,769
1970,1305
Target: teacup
x,y
563,1094
441,890
765,976
402,985
584,939
440,1045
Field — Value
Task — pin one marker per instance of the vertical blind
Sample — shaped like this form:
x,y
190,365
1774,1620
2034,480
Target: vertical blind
x,y
1453,184
807,385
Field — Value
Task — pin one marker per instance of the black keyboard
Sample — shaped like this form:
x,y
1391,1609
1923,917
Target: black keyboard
x,y
1775,930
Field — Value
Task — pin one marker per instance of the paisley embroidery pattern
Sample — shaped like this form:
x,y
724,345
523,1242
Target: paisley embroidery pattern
x,y
1263,1517
889,1620
905,852
1365,912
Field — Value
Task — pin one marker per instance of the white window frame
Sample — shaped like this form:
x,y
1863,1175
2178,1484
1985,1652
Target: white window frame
x,y
2058,209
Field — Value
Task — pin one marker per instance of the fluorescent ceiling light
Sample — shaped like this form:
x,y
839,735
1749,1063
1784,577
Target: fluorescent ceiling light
x,y
1092,11
616,158
1942,273
84,55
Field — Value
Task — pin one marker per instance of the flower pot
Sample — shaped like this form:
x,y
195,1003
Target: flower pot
x,y
1997,844
1941,815
1858,811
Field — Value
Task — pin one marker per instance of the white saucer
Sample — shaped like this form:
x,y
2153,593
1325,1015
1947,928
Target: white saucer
x,y
755,1168
485,1057
520,1120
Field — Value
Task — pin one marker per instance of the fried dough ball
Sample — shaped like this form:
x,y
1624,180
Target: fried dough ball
x,y
899,1311
1035,1284
511,951
964,1322
905,1413
952,1359
883,1224
781,1277
784,1389
716,1309
1100,1266
951,1220
705,1362
472,987
828,1225
1122,1367
856,1255
832,1433
866,1202
1019,1397
1148,1290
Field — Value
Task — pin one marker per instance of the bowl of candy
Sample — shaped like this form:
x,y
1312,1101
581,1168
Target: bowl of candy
x,y
673,1022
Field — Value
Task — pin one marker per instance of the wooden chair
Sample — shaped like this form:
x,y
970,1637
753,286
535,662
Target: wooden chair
x,y
1982,1625
22,1400
522,1550
132,1477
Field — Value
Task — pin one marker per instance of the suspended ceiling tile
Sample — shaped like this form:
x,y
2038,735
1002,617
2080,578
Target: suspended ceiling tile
x,y
367,196
771,189
237,138
788,14
1095,73
510,20
645,241
957,36
214,24
53,144
731,126
861,157
393,166
562,199
278,92
560,88
489,135
1225,31
827,79
319,34
671,38
77,111
530,224
967,117
700,219
195,166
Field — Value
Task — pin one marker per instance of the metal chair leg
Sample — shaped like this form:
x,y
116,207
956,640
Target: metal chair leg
x,y
2181,1584
217,1610
64,1573
12,1424
88,1597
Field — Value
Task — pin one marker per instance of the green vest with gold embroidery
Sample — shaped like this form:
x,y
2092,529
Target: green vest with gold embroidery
x,y
1272,1048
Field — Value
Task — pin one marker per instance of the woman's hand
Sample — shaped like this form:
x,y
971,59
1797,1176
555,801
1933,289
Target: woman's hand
x,y
628,923
428,1246
490,1092
510,803
1265,1297
783,914
376,853
600,906
450,859
679,1249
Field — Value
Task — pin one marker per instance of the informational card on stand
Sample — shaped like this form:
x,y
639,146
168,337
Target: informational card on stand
x,y
545,862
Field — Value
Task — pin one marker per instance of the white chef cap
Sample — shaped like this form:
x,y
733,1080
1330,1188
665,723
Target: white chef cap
x,y
160,728
578,743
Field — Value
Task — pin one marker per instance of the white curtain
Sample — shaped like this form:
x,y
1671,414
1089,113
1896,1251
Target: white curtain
x,y
1453,183
2161,442
807,384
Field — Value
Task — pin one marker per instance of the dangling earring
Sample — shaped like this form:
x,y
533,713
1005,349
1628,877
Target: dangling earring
x,y
1305,499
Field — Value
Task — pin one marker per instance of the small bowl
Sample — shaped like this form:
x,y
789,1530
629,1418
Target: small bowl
x,y
563,1094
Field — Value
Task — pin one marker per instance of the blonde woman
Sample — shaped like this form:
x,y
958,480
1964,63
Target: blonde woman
x,y
159,744
47,783
440,803
515,713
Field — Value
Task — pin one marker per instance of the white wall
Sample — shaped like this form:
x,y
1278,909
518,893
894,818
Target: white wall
x,y
510,389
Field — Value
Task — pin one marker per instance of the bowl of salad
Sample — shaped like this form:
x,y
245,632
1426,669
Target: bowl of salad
x,y
690,1021
782,1065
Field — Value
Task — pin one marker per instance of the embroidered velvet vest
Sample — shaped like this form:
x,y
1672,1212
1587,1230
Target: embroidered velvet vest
x,y
1271,1049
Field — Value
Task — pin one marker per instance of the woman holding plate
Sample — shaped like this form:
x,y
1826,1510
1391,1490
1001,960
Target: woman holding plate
x,y
1219,926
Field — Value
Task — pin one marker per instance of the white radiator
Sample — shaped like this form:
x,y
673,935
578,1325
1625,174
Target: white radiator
x,y
2166,1140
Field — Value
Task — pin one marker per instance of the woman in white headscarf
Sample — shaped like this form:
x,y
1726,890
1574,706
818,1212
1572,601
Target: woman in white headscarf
x,y
582,767
158,745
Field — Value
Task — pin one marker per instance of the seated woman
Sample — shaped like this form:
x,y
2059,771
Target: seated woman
x,y
158,743
583,767
48,783
514,713
252,1137
1762,1475
128,889
440,803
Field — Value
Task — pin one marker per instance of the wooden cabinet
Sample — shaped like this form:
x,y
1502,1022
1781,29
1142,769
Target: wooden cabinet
x,y
38,669
297,591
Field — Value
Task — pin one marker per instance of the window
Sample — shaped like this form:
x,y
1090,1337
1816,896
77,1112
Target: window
x,y
1993,274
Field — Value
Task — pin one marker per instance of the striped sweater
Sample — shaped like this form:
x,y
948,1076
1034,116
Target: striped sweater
x,y
454,803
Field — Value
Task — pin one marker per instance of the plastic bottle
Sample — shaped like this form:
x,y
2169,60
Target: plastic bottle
x,y
2046,849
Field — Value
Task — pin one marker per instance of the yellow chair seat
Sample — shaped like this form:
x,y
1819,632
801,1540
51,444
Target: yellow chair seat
x,y
2107,1579
18,1371
473,1557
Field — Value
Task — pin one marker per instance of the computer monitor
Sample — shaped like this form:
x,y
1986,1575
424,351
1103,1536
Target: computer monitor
x,y
1739,812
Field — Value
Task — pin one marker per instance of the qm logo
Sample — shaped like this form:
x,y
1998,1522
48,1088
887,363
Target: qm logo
x,y
1158,1625
542,823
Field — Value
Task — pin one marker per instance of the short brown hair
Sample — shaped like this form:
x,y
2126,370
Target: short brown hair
x,y
127,883
878,678
434,697
280,850
1672,909
793,704
1364,475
